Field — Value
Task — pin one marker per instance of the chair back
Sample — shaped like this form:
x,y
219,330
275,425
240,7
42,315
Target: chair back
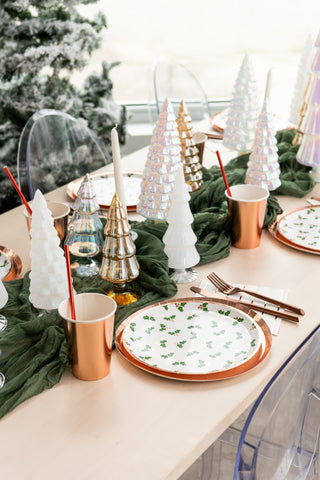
x,y
280,438
176,82
54,149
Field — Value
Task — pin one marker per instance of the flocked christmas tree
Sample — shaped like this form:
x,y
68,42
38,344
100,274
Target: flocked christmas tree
x,y
243,111
263,165
119,264
189,152
179,238
301,81
309,150
48,276
42,44
161,166
85,237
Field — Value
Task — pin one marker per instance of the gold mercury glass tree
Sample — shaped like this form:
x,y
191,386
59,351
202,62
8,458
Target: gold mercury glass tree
x,y
119,264
189,152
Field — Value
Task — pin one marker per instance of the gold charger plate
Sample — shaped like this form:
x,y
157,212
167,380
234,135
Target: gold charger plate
x,y
104,186
10,258
252,362
274,229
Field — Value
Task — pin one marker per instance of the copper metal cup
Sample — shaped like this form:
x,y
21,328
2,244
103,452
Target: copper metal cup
x,y
90,336
200,141
60,213
247,207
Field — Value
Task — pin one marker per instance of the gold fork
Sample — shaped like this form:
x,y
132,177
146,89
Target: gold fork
x,y
228,289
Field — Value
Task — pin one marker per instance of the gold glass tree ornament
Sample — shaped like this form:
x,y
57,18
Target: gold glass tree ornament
x,y
297,139
119,264
189,152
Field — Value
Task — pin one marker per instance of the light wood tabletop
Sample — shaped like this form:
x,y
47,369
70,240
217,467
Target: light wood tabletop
x,y
134,425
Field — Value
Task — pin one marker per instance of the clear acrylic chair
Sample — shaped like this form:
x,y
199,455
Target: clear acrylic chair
x,y
54,149
280,436
176,82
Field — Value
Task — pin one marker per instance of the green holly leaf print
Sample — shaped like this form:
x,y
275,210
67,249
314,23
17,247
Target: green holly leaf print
x,y
146,348
171,354
215,355
149,330
144,358
226,313
238,320
193,352
219,333
179,363
227,364
162,327
176,332
180,344
163,343
193,335
132,326
205,307
253,326
310,210
243,352
135,339
149,317
214,323
166,307
253,343
194,326
190,317
209,344
227,345
181,306
172,317
4,263
239,335
201,363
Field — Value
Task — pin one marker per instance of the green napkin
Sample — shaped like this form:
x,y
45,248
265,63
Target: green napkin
x,y
33,348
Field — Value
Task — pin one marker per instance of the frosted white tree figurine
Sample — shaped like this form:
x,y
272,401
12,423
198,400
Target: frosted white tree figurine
x,y
301,80
161,166
263,165
48,276
179,238
309,150
243,110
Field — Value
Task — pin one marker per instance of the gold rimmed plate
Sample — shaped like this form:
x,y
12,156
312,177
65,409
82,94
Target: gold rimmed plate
x,y
10,264
194,339
104,187
299,229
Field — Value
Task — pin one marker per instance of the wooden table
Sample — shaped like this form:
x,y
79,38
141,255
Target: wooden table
x,y
133,425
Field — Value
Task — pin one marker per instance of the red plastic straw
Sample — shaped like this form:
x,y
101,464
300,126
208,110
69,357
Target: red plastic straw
x,y
18,190
223,173
71,297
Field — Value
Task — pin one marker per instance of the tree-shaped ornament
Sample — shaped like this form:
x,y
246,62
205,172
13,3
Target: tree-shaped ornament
x,y
85,237
297,139
161,166
48,276
179,238
309,150
243,111
263,166
301,81
189,151
119,264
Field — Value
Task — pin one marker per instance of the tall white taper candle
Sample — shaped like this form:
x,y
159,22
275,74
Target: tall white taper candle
x,y
268,86
118,176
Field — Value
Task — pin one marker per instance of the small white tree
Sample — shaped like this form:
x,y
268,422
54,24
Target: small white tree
x,y
48,276
263,165
243,111
179,238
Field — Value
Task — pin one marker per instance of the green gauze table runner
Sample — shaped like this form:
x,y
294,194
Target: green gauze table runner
x,y
33,349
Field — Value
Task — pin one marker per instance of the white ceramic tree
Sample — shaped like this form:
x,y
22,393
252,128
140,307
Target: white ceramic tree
x,y
179,238
48,276
301,82
243,111
161,166
263,165
309,150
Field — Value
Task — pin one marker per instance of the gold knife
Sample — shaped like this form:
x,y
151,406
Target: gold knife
x,y
274,313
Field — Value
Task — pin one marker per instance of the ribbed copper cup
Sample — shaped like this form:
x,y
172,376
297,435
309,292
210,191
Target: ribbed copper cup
x,y
247,207
90,336
60,213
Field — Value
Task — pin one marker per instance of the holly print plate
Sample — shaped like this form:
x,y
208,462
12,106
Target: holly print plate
x,y
299,228
104,187
193,339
